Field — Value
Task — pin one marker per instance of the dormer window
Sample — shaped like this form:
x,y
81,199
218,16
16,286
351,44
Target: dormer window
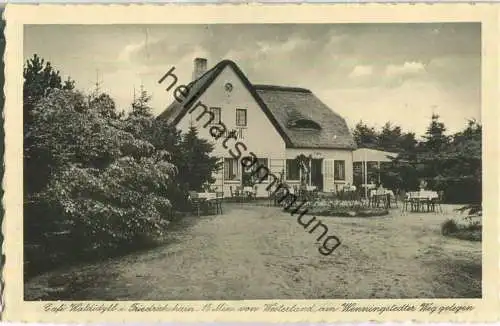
x,y
304,124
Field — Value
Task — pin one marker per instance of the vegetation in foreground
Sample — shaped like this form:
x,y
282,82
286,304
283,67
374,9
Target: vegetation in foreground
x,y
470,228
98,181
260,252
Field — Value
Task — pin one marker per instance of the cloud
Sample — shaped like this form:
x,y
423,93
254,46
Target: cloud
x,y
129,50
354,66
406,69
361,71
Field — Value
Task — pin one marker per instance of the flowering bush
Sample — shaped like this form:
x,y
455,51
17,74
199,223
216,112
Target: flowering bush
x,y
97,179
89,178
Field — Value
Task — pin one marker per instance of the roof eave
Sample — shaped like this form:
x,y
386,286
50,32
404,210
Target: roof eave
x,y
350,148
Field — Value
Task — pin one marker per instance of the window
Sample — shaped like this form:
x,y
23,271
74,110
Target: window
x,y
304,124
240,133
231,169
241,117
339,170
292,170
216,112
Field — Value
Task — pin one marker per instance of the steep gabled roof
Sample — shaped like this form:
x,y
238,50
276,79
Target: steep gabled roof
x,y
302,120
177,110
174,113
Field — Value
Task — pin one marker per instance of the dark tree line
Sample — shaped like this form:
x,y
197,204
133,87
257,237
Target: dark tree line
x,y
451,163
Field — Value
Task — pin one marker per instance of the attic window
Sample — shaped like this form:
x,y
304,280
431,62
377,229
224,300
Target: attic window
x,y
304,124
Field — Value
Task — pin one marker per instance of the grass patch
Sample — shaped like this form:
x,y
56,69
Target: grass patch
x,y
471,231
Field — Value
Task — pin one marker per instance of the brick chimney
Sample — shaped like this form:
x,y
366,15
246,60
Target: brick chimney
x,y
200,67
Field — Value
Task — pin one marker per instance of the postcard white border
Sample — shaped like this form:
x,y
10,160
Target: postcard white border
x,y
486,309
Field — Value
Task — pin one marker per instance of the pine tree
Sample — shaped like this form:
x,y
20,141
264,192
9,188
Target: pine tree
x,y
435,138
365,136
196,166
140,105
389,139
39,79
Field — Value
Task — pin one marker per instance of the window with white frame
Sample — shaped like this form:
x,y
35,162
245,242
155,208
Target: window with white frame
x,y
241,117
339,170
231,169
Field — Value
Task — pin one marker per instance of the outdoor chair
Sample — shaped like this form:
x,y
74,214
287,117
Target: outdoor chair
x,y
355,199
235,193
395,198
369,199
403,197
380,197
411,202
271,198
218,201
436,202
195,201
415,203
424,204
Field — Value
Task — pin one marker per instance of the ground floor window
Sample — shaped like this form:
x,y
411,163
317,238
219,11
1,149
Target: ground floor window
x,y
292,170
339,170
231,169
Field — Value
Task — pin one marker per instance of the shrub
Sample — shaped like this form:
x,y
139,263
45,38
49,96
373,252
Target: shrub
x,y
99,188
449,226
471,231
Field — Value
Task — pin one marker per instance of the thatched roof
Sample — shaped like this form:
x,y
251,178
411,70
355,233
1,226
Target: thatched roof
x,y
297,114
307,121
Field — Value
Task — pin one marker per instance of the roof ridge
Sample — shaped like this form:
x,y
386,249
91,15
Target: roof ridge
x,y
281,88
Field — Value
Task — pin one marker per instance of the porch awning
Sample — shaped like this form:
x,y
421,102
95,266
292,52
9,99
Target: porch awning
x,y
372,155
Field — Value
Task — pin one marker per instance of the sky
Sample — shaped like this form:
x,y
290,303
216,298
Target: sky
x,y
402,73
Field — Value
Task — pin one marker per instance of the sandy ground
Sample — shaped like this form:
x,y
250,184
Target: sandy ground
x,y
259,252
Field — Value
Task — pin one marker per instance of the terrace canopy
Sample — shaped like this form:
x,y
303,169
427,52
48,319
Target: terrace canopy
x,y
366,163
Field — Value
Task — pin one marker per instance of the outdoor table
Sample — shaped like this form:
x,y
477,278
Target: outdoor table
x,y
207,195
208,198
385,195
421,197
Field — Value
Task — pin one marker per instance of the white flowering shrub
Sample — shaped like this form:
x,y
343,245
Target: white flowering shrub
x,y
89,179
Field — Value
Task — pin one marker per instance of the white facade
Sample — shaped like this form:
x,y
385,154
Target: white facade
x,y
259,136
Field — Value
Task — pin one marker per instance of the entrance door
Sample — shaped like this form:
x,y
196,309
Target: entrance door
x,y
317,173
328,176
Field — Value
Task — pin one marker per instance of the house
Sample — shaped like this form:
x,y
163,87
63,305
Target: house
x,y
276,123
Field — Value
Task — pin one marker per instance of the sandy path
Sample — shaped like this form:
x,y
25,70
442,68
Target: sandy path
x,y
258,252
